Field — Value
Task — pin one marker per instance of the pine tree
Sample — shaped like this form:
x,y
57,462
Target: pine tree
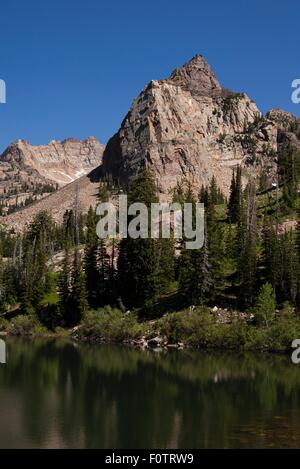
x,y
33,266
235,197
65,287
104,274
166,263
195,279
215,245
297,246
137,263
289,269
289,172
79,303
266,305
2,284
271,258
246,249
195,270
232,199
213,192
91,259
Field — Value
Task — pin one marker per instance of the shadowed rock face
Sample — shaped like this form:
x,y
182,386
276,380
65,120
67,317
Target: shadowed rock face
x,y
189,127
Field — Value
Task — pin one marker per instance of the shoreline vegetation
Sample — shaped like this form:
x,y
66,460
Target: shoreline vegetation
x,y
190,328
239,291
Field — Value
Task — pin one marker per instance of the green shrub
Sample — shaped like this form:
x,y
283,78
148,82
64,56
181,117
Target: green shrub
x,y
265,307
188,325
25,325
199,328
3,324
112,324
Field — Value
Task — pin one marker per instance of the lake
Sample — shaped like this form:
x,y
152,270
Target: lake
x,y
54,394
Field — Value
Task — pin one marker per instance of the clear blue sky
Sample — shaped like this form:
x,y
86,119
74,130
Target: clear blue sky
x,y
72,68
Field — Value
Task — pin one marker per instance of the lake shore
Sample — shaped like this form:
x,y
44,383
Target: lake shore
x,y
192,328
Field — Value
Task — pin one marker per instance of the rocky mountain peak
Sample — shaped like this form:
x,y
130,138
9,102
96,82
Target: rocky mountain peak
x,y
59,162
29,172
196,76
185,127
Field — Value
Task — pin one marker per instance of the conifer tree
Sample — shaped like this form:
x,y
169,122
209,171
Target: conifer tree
x,y
213,192
195,276
2,284
137,263
65,287
289,172
247,249
215,245
297,249
271,258
91,259
235,197
289,269
265,305
79,303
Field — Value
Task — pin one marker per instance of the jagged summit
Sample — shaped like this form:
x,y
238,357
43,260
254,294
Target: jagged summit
x,y
197,76
186,126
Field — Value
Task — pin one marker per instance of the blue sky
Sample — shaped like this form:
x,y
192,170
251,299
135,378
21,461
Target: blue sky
x,y
72,68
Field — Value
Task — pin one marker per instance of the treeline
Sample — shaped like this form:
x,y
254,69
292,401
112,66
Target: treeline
x,y
246,260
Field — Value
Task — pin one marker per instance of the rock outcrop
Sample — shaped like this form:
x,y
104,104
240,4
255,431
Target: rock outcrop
x,y
189,127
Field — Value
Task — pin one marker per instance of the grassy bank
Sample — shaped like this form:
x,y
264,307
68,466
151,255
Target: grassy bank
x,y
197,328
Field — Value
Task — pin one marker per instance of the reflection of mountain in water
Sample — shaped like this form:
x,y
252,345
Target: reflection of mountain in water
x,y
59,395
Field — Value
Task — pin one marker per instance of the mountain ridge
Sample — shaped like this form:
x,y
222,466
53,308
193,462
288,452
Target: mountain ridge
x,y
188,127
32,171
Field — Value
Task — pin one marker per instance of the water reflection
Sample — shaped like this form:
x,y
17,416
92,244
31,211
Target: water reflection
x,y
57,395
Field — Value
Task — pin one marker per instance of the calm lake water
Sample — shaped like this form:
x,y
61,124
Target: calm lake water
x,y
59,395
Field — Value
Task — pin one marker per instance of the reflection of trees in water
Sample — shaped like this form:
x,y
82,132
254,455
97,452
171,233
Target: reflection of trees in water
x,y
105,396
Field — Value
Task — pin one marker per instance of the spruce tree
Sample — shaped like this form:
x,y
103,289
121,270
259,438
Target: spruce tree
x,y
265,305
91,260
235,197
271,258
213,192
289,172
247,249
79,303
297,246
65,288
289,268
195,270
138,281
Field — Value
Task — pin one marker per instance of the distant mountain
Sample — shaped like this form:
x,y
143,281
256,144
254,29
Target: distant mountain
x,y
29,172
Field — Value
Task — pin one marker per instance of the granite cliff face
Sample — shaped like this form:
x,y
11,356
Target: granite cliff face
x,y
184,127
189,127
28,171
